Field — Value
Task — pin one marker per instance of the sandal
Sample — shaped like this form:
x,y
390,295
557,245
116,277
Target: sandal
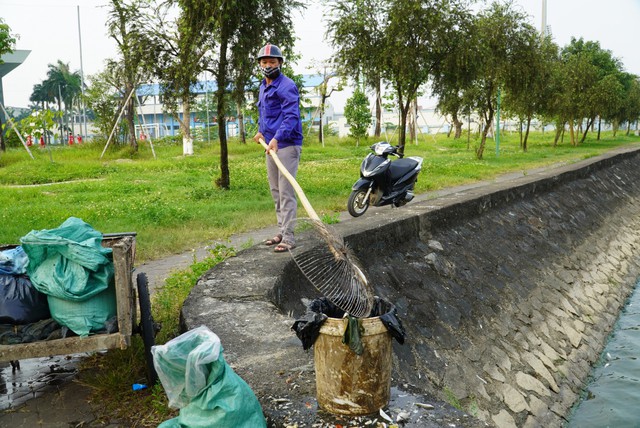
x,y
273,241
283,247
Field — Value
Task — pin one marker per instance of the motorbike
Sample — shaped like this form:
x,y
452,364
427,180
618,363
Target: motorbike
x,y
383,182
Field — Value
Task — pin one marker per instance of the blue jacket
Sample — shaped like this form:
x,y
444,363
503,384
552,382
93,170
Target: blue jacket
x,y
279,112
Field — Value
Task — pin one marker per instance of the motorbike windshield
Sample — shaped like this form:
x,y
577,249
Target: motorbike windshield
x,y
382,148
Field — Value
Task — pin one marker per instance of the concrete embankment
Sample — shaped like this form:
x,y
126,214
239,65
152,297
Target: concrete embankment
x,y
508,292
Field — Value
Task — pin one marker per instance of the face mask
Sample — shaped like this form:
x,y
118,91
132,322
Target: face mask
x,y
270,72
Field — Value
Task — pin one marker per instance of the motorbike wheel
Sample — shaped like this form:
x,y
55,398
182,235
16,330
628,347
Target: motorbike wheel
x,y
357,204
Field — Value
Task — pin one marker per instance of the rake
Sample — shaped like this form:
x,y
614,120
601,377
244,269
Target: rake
x,y
330,265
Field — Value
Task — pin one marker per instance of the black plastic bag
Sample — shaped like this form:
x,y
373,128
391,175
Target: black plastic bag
x,y
20,302
307,327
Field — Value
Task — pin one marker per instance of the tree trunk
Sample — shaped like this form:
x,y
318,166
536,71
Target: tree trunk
x,y
412,122
224,181
573,137
402,131
243,137
526,134
185,129
586,129
129,113
559,128
457,124
320,136
378,130
485,132
61,124
3,146
487,127
599,125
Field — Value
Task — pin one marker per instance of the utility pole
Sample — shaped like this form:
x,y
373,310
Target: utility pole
x,y
498,126
543,30
84,112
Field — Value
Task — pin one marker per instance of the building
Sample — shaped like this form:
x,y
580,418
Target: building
x,y
9,63
154,121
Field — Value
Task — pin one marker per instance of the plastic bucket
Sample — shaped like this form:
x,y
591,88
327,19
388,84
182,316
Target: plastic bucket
x,y
350,384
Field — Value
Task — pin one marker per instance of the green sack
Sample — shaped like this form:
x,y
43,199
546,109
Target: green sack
x,y
69,262
86,316
198,380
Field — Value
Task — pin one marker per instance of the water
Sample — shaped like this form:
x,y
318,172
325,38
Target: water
x,y
613,395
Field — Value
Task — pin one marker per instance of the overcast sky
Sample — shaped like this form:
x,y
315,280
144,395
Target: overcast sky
x,y
49,28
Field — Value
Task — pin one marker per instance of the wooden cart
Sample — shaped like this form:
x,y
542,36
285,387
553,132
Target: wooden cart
x,y
124,247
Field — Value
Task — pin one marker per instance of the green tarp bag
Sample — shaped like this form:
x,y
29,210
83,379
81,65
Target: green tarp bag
x,y
68,262
198,381
70,265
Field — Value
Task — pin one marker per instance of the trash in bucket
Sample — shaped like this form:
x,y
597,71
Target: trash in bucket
x,y
349,383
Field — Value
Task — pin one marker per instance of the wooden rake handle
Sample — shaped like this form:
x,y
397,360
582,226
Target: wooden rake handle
x,y
305,202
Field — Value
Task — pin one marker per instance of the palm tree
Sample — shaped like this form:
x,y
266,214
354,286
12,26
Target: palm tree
x,y
64,86
43,96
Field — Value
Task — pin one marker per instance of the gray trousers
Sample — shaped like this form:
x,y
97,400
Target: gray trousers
x,y
282,191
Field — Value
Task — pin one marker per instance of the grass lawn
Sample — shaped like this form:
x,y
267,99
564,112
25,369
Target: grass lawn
x,y
174,206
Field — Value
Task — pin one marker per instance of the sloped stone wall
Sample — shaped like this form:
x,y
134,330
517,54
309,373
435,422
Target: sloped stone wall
x,y
509,297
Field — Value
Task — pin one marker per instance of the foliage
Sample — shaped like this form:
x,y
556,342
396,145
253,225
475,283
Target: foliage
x,y
501,34
103,98
39,123
125,27
68,86
179,34
7,40
358,115
355,30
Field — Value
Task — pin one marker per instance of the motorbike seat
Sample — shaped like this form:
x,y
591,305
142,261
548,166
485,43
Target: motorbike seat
x,y
400,167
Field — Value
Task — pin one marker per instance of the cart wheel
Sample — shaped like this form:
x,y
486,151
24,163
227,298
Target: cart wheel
x,y
147,330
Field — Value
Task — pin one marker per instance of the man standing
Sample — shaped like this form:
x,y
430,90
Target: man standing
x,y
280,126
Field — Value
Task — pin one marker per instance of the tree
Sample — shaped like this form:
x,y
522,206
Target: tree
x,y
630,110
528,79
355,30
7,45
241,31
415,41
500,32
180,34
64,86
453,76
103,98
584,66
358,114
125,25
324,90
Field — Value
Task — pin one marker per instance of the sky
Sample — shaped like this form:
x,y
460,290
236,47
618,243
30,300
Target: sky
x,y
49,28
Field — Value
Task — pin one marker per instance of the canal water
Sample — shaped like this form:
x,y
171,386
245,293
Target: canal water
x,y
612,397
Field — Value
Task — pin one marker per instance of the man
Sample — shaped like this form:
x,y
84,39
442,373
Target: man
x,y
280,127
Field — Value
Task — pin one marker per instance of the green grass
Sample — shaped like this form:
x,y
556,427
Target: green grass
x,y
174,206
